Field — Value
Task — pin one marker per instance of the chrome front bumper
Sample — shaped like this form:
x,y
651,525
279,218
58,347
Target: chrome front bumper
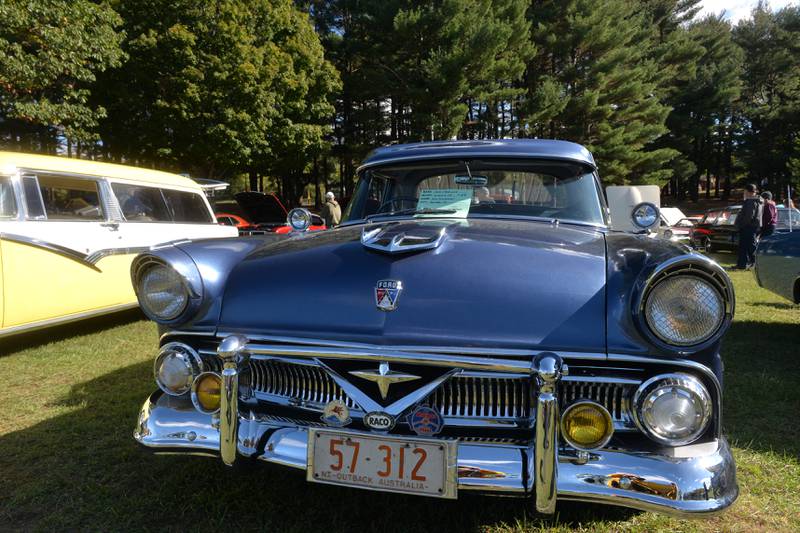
x,y
692,480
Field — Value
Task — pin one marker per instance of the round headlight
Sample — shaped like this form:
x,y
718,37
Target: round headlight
x,y
644,215
586,425
176,367
299,219
684,310
206,392
672,409
162,293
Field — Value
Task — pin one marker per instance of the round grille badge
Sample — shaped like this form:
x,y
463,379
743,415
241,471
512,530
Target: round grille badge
x,y
379,421
425,421
336,414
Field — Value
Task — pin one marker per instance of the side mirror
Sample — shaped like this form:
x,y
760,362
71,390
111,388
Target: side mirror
x,y
299,219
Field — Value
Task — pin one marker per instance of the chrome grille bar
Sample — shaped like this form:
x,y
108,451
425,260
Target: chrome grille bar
x,y
483,397
304,383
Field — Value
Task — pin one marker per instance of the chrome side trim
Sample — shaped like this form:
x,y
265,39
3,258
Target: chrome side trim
x,y
57,249
100,254
13,330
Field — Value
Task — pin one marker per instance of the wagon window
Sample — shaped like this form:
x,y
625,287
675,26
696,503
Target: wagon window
x,y
141,204
8,204
187,207
70,198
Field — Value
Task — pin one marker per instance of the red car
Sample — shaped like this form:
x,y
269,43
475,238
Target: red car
x,y
256,213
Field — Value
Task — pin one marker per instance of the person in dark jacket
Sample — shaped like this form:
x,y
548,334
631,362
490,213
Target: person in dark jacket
x,y
748,222
769,218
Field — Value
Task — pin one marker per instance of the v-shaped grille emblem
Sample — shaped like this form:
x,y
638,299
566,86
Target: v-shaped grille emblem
x,y
384,377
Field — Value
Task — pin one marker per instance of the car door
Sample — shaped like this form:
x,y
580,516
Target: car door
x,y
49,254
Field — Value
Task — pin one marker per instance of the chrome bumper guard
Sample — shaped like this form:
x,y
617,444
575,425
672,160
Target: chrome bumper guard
x,y
687,481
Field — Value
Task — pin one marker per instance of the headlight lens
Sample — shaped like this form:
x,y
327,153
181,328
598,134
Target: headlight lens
x,y
206,392
176,367
162,292
672,409
644,215
299,219
684,310
587,425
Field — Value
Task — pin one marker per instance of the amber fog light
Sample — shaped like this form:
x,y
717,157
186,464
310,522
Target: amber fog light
x,y
586,425
206,391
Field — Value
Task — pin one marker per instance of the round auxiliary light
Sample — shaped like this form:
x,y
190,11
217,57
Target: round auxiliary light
x,y
299,219
162,293
206,392
672,409
175,368
684,310
586,425
644,215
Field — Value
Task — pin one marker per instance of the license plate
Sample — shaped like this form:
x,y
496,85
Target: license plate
x,y
405,465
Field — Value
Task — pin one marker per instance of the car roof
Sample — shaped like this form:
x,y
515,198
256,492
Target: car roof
x,y
11,161
523,148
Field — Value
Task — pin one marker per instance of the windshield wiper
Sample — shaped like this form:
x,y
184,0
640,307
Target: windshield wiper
x,y
413,211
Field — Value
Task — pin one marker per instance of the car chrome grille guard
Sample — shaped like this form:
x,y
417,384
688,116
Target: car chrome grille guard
x,y
469,395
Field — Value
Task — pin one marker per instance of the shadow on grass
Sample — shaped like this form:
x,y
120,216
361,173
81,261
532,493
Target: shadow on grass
x,y
762,386
34,339
775,305
82,470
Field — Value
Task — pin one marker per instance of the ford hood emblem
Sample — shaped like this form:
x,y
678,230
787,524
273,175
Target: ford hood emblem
x,y
387,292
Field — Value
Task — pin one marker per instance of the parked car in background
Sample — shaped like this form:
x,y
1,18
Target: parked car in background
x,y
778,264
229,219
675,226
716,230
516,347
260,213
70,228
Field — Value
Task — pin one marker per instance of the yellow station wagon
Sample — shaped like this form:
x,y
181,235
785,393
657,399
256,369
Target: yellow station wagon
x,y
69,230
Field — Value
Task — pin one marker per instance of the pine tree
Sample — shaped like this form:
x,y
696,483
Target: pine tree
x,y
592,82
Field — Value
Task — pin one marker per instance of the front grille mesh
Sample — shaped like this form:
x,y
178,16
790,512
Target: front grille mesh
x,y
305,383
483,397
616,397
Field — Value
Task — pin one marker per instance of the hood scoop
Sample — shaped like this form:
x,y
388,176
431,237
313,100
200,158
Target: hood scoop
x,y
404,237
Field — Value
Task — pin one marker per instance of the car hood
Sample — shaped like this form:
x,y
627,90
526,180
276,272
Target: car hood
x,y
261,208
498,283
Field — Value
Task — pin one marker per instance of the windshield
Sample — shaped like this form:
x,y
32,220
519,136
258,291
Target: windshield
x,y
460,189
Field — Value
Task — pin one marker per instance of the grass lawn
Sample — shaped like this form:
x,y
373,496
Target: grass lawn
x,y
68,460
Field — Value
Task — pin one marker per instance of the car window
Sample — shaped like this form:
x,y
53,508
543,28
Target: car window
x,y
33,198
67,198
8,204
710,217
187,206
783,217
226,221
140,203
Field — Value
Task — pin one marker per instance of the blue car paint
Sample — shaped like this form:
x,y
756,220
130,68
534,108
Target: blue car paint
x,y
778,265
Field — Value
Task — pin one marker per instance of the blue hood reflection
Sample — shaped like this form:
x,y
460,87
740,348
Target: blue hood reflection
x,y
494,283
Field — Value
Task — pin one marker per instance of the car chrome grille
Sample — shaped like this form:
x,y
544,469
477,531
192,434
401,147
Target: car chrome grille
x,y
303,383
483,397
616,397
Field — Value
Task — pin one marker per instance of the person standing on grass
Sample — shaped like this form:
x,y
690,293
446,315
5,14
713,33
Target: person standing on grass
x,y
769,219
331,211
748,222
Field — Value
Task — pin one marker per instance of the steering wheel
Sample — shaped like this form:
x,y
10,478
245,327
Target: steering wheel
x,y
396,201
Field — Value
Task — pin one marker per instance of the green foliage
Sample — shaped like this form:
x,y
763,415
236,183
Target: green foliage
x,y
771,44
592,82
217,88
50,53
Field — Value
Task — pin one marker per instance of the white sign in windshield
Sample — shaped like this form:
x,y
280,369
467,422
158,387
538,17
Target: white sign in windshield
x,y
457,200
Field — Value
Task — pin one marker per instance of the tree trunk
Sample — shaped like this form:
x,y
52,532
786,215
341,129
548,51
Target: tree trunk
x,y
253,180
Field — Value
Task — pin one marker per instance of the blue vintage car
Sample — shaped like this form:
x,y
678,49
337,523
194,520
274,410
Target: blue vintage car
x,y
473,325
778,264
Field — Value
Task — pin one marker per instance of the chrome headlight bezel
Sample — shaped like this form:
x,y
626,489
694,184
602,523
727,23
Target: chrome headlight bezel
x,y
185,355
186,272
701,268
299,219
689,387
